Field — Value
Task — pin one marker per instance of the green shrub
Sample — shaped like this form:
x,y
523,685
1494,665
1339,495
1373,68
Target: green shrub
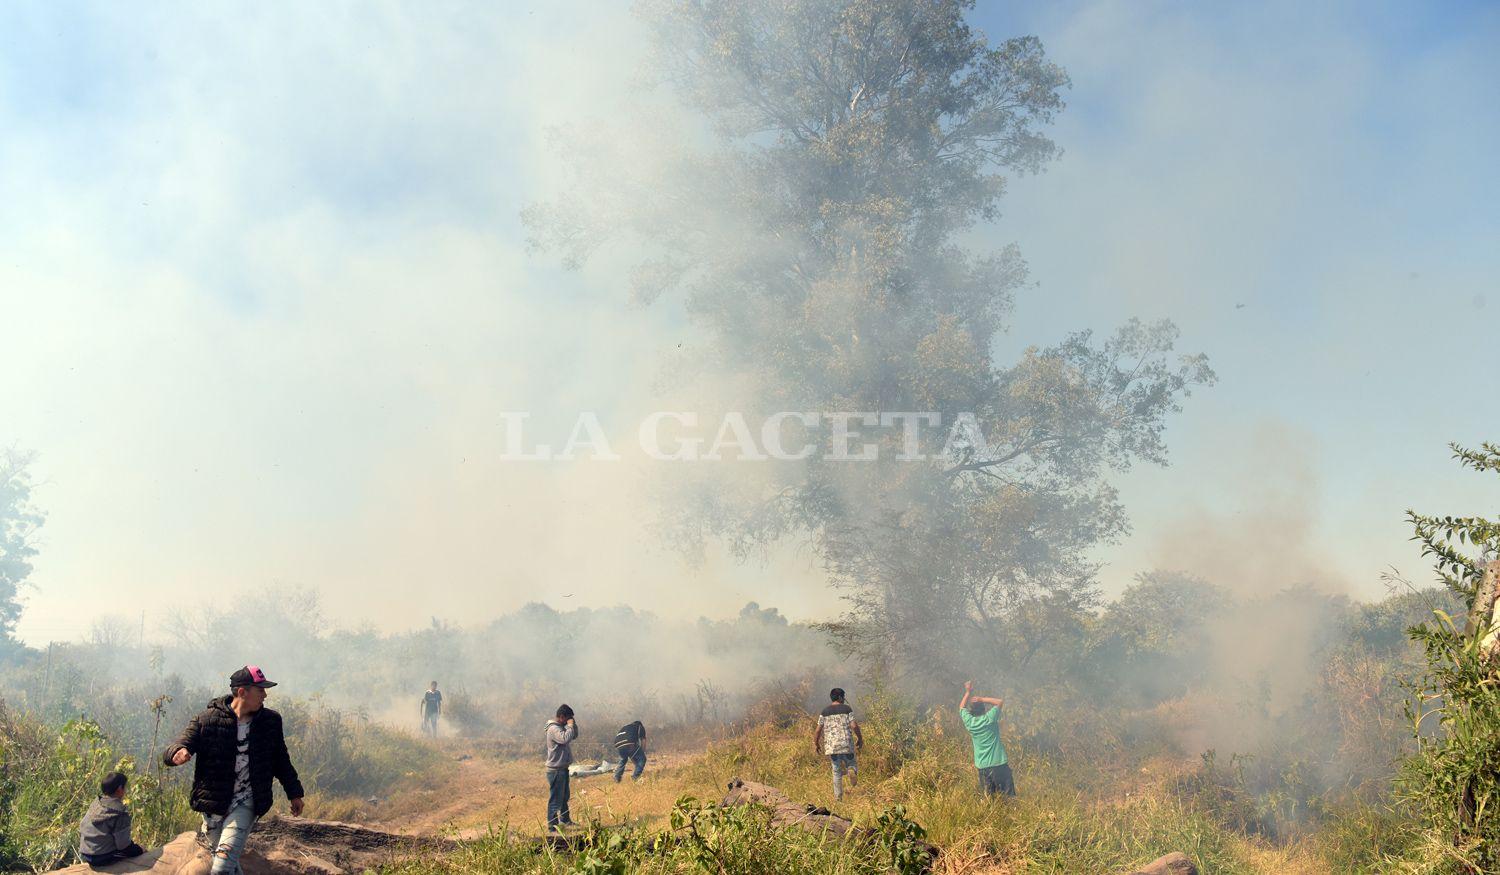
x,y
344,753
701,838
1358,836
48,778
1452,781
905,841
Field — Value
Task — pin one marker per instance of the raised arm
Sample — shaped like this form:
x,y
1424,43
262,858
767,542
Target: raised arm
x,y
968,689
562,734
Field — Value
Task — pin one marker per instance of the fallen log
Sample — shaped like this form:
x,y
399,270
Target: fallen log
x,y
785,812
1175,863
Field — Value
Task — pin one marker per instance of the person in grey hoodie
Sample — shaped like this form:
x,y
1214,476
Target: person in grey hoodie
x,y
104,834
561,730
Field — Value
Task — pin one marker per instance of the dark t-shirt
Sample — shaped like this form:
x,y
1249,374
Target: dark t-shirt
x,y
432,702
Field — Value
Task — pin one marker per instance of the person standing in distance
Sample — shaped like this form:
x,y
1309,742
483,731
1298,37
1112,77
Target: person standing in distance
x,y
432,709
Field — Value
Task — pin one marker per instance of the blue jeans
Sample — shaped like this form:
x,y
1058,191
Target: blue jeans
x,y
429,724
557,798
843,762
638,757
225,837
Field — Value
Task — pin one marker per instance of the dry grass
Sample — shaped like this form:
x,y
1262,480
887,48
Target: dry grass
x,y
1070,817
481,791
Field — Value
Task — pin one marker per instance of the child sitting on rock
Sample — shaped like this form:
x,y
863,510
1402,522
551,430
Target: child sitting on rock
x,y
104,835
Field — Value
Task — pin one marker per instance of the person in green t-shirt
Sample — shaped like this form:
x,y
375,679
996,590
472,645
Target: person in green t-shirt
x,y
983,722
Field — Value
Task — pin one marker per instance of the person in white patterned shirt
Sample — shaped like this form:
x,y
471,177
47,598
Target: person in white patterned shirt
x,y
838,737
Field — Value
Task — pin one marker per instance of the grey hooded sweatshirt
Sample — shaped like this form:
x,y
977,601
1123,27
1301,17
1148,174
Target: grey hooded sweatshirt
x,y
105,828
560,744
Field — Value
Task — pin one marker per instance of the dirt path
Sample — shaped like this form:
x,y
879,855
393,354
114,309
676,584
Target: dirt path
x,y
485,792
475,783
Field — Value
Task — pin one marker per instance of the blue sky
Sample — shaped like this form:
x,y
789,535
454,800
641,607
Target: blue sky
x,y
265,293
1304,191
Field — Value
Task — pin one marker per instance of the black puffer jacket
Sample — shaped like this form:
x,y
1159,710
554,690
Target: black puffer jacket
x,y
211,737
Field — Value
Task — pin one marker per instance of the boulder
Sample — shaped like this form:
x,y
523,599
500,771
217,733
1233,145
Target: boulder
x,y
283,846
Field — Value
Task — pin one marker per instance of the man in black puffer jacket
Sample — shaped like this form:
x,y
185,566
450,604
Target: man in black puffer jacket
x,y
240,748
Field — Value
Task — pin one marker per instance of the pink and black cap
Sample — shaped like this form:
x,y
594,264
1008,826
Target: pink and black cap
x,y
250,676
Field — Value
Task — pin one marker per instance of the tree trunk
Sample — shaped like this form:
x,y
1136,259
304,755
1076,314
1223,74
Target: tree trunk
x,y
1175,863
786,813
